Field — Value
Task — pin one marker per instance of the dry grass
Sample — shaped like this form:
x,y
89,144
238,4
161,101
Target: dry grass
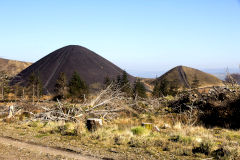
x,y
124,136
121,136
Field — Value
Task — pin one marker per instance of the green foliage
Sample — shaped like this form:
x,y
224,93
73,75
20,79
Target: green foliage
x,y
156,91
139,130
164,88
35,85
124,78
119,80
77,87
123,83
161,89
139,89
173,88
108,81
61,86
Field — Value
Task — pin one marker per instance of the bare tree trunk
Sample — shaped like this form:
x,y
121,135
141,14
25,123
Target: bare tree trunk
x,y
38,92
23,94
2,92
33,94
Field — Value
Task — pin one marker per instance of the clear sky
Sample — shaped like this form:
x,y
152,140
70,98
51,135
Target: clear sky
x,y
144,37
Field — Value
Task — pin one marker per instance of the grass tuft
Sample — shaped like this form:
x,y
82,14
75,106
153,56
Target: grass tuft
x,y
139,130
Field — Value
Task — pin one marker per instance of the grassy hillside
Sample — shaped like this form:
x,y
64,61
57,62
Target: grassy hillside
x,y
184,77
12,67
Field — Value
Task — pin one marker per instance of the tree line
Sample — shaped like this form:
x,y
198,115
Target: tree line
x,y
77,88
164,87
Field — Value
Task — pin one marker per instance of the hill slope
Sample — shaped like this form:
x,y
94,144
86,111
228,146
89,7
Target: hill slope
x,y
12,67
235,77
91,67
184,76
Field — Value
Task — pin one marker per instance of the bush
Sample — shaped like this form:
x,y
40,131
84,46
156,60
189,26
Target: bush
x,y
204,148
221,154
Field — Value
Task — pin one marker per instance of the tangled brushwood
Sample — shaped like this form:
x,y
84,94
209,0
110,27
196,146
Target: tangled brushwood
x,y
216,107
183,126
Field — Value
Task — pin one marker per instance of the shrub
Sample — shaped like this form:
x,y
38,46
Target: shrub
x,y
221,154
204,148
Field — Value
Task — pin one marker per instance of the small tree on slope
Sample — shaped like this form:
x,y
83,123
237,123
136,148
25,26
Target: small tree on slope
x,y
77,87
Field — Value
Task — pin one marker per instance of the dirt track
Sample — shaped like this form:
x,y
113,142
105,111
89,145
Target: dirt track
x,y
16,149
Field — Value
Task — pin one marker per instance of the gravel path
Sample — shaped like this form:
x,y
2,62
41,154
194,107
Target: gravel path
x,y
13,146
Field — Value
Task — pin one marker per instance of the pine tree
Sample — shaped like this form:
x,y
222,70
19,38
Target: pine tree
x,y
161,88
35,85
108,81
164,87
119,80
61,86
124,84
173,89
139,89
77,87
156,90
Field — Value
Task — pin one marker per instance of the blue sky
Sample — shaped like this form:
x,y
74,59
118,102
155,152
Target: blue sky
x,y
144,37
